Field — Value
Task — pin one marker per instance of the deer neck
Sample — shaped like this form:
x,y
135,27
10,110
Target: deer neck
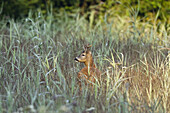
x,y
90,62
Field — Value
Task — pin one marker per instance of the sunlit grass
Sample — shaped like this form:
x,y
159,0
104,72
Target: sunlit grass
x,y
38,72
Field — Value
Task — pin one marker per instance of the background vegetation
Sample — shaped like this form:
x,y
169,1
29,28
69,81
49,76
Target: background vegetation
x,y
38,47
148,8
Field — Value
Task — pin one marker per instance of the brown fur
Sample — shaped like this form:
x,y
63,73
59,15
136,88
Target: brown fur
x,y
89,73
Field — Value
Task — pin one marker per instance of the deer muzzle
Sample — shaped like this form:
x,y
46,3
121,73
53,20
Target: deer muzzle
x,y
76,59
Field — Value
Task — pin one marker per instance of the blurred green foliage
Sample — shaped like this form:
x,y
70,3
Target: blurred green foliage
x,y
95,8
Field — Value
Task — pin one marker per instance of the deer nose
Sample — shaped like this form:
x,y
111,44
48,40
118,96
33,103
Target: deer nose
x,y
76,59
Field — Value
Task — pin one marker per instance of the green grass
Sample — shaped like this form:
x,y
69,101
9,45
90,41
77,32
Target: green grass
x,y
133,56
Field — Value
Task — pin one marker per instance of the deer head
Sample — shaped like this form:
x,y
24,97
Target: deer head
x,y
86,57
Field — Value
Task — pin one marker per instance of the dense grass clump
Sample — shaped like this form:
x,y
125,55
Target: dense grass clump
x,y
38,72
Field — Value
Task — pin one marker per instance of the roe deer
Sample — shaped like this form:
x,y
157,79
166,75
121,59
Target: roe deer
x,y
89,73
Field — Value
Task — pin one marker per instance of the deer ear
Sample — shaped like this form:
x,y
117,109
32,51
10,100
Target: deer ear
x,y
89,46
85,48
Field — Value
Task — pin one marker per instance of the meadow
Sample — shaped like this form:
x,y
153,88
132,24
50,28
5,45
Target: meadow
x,y
38,72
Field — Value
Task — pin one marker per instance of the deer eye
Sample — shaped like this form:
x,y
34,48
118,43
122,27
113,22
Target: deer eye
x,y
83,54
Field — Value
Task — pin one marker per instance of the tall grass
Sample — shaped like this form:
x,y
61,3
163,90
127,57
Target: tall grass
x,y
38,72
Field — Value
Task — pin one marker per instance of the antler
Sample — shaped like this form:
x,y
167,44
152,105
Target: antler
x,y
86,47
